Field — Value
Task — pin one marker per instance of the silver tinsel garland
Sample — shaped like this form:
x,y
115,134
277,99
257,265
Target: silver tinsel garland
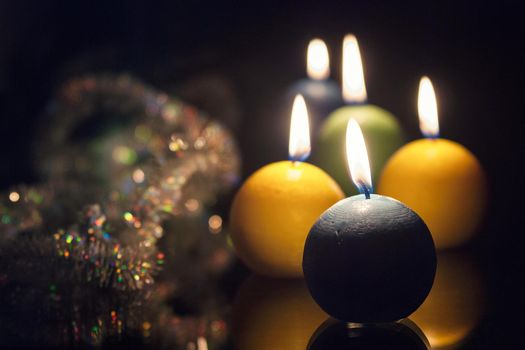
x,y
153,159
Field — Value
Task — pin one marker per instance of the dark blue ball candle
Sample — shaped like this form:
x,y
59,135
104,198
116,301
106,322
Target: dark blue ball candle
x,y
368,258
322,95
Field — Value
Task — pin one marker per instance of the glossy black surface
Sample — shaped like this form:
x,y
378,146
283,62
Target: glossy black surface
x,y
281,315
340,335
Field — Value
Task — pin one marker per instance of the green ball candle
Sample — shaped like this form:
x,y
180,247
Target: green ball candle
x,y
380,128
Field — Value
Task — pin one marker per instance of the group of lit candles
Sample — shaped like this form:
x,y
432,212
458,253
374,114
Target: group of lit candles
x,y
291,218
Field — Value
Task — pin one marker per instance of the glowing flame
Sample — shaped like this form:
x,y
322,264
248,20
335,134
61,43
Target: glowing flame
x,y
354,88
427,109
299,146
317,60
357,156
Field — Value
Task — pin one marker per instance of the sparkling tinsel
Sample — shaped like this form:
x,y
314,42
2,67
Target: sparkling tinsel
x,y
86,242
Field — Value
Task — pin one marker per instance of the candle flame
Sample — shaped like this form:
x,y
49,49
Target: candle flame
x,y
427,109
357,157
299,146
354,88
317,60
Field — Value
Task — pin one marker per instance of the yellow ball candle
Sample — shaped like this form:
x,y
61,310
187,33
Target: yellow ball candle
x,y
274,209
440,179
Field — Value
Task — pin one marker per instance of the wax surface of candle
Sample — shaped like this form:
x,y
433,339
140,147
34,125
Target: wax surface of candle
x,y
456,303
443,182
274,314
369,260
403,335
382,133
273,212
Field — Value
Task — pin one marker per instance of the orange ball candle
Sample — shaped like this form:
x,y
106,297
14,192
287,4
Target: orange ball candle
x,y
440,179
274,209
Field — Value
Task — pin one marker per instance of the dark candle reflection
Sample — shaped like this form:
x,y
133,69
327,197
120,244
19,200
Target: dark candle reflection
x,y
274,314
456,302
402,335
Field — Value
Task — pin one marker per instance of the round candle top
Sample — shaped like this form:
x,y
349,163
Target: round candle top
x,y
368,258
456,302
440,179
381,129
274,314
276,206
336,335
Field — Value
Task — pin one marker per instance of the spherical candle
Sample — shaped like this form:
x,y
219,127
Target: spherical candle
x,y
322,95
456,303
274,314
368,258
276,206
440,179
336,335
381,129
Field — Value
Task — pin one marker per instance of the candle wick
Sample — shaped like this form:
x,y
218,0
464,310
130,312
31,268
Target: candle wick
x,y
357,103
296,160
432,137
364,189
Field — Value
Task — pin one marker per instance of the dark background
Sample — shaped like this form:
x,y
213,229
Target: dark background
x,y
473,51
